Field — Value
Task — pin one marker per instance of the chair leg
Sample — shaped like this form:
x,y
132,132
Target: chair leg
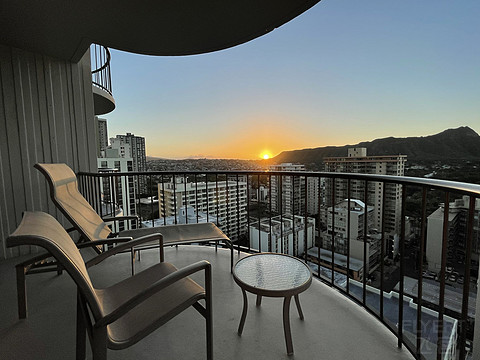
x,y
99,343
81,332
21,292
133,261
59,269
209,311
231,257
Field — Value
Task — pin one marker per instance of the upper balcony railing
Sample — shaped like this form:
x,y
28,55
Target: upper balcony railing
x,y
418,278
100,60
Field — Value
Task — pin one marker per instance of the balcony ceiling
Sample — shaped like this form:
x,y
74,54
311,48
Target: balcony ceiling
x,y
65,29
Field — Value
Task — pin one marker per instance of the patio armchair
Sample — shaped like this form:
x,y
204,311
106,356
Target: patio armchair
x,y
120,315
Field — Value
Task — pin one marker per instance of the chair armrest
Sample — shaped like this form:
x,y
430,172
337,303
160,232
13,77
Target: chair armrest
x,y
125,246
35,259
156,287
108,241
123,217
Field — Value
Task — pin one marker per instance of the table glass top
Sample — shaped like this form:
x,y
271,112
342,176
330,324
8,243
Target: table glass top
x,y
272,272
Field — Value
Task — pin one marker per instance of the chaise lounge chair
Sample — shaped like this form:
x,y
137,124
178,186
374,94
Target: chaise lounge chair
x,y
65,195
92,228
124,313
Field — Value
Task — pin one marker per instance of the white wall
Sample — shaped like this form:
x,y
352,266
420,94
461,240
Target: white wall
x,y
46,115
289,240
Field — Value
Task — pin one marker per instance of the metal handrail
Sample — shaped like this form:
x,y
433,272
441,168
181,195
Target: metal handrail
x,y
100,60
454,186
90,184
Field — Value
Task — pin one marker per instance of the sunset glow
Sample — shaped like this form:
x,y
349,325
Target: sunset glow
x,y
327,78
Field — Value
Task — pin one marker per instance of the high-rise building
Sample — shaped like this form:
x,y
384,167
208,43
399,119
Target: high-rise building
x,y
294,193
224,201
137,152
313,194
457,234
117,192
357,161
288,193
102,141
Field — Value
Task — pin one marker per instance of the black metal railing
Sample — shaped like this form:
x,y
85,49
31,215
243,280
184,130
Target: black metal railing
x,y
100,60
373,249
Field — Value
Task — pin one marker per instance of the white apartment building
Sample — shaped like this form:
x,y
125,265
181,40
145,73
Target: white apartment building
x,y
137,152
291,192
186,215
357,161
457,234
222,200
261,194
123,149
283,234
340,231
117,191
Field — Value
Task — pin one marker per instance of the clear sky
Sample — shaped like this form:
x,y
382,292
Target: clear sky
x,y
343,72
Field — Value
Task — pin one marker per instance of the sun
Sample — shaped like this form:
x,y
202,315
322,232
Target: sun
x,y
266,156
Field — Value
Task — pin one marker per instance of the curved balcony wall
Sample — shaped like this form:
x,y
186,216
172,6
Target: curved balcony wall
x,y
103,100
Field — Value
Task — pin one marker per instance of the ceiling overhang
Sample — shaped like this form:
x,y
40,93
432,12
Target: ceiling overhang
x,y
65,29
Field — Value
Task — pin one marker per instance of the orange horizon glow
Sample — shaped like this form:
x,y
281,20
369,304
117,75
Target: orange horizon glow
x,y
254,137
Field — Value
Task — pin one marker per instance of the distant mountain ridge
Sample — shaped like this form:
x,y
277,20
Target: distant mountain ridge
x,y
461,143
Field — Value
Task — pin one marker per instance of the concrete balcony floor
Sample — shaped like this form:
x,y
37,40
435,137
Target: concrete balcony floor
x,y
334,326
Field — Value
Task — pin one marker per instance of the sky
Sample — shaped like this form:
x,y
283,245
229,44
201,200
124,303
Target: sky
x,y
343,72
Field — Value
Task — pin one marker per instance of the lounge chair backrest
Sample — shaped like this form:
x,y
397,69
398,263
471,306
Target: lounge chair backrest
x,y
64,193
41,229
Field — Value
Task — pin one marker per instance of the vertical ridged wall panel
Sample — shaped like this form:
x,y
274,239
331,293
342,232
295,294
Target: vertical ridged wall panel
x,y
46,115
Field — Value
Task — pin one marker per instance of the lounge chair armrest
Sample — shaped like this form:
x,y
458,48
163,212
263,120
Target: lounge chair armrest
x,y
122,218
35,259
125,246
156,287
108,241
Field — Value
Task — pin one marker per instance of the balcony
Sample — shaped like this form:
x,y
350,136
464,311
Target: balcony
x,y
330,319
103,101
394,285
48,110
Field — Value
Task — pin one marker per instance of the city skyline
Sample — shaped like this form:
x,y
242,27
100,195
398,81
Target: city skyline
x,y
341,73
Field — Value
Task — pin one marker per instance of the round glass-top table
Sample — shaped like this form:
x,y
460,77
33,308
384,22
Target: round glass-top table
x,y
273,275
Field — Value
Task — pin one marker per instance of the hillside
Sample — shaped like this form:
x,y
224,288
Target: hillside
x,y
462,143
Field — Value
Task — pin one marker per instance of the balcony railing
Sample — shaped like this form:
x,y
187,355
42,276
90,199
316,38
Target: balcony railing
x,y
424,292
100,60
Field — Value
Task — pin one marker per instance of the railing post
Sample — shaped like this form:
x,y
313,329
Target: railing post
x,y
349,220
441,301
420,271
476,332
402,267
